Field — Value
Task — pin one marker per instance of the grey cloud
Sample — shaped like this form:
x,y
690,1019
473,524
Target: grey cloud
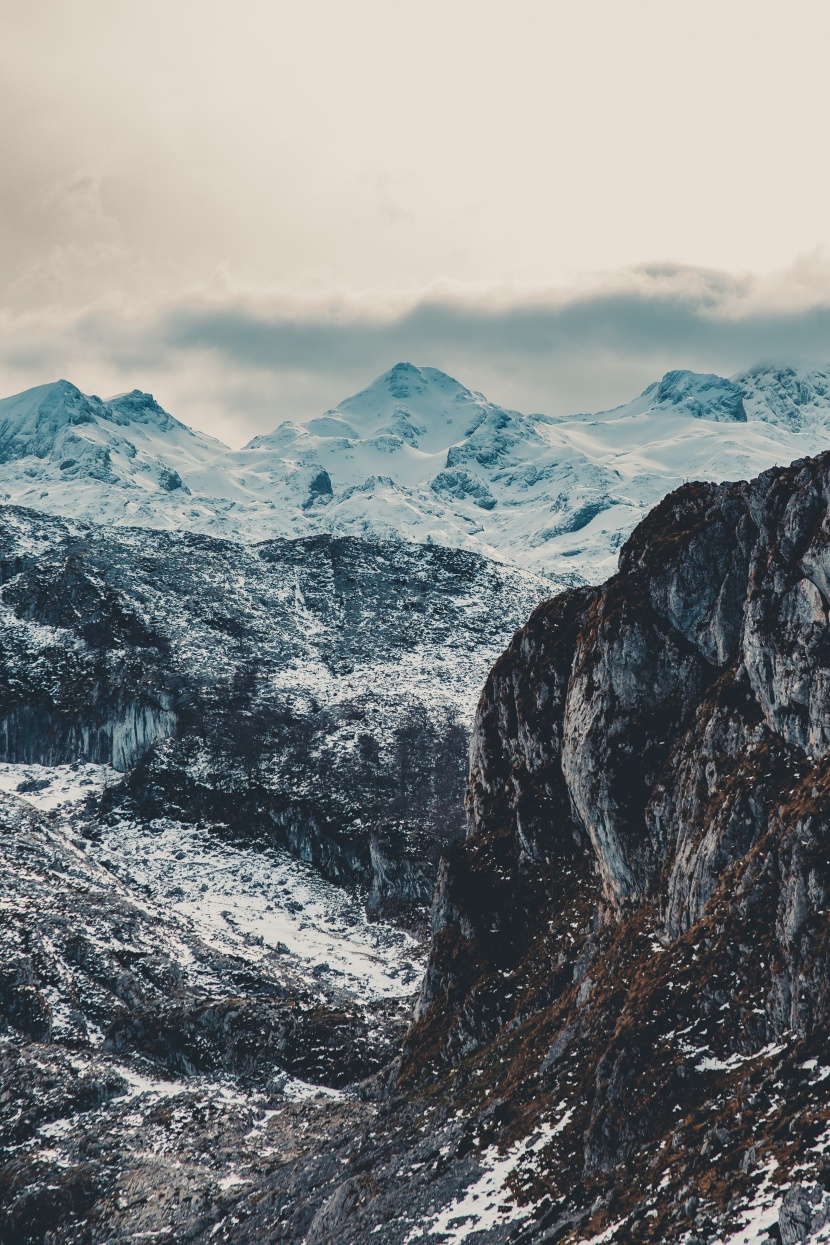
x,y
235,367
619,326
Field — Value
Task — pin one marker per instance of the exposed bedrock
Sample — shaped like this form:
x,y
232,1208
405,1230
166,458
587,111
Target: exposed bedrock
x,y
108,735
655,749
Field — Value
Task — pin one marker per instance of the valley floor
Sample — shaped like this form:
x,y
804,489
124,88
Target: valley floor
x,y
245,901
142,1099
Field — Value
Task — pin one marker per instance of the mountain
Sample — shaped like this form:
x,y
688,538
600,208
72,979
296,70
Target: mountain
x,y
54,433
127,461
621,1033
416,456
632,948
233,756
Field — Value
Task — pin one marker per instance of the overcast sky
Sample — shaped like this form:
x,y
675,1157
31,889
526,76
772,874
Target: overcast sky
x,y
251,207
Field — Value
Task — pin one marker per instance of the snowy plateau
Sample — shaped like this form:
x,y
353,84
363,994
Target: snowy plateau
x,y
265,974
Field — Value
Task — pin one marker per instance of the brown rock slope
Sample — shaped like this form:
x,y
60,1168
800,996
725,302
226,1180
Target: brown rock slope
x,y
634,936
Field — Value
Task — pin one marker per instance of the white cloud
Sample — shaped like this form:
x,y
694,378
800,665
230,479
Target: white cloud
x,y
253,208
369,146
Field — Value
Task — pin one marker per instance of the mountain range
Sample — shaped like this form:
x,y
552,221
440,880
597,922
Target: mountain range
x,y
370,872
416,456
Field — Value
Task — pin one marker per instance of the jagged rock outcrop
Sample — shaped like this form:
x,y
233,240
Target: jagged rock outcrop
x,y
648,855
710,644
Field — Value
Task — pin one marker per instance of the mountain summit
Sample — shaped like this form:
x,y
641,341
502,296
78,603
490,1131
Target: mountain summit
x,y
55,440
419,406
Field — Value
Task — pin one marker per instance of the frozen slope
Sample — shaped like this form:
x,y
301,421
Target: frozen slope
x,y
54,436
127,461
415,456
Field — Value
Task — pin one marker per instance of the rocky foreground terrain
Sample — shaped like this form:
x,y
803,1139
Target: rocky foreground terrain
x,y
621,1033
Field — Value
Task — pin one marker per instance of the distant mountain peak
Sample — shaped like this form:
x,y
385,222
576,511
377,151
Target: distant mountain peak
x,y
796,398
703,395
32,421
139,407
127,445
414,456
406,381
402,379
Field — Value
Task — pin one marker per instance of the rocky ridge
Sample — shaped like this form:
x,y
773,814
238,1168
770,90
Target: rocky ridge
x,y
646,868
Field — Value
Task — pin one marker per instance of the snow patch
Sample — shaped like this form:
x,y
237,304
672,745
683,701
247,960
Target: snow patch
x,y
254,902
488,1203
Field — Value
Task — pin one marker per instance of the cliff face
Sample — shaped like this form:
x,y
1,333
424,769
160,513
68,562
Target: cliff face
x,y
652,716
638,915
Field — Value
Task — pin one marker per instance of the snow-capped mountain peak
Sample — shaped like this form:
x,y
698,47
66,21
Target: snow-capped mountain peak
x,y
137,407
36,421
795,399
414,456
418,406
31,422
702,395
57,442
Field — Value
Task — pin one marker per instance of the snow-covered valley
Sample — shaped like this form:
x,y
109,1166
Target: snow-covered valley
x,y
145,1055
246,901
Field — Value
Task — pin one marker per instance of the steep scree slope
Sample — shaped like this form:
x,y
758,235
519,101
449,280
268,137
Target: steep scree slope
x,y
142,1063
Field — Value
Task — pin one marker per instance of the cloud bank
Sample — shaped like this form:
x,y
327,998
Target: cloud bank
x,y
237,368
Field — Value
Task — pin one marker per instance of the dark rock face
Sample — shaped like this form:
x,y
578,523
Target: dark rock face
x,y
648,854
711,640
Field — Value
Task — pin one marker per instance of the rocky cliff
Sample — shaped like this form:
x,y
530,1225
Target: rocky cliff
x,y
636,927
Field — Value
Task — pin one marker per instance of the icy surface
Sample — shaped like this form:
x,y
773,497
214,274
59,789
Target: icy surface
x,y
51,787
414,456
